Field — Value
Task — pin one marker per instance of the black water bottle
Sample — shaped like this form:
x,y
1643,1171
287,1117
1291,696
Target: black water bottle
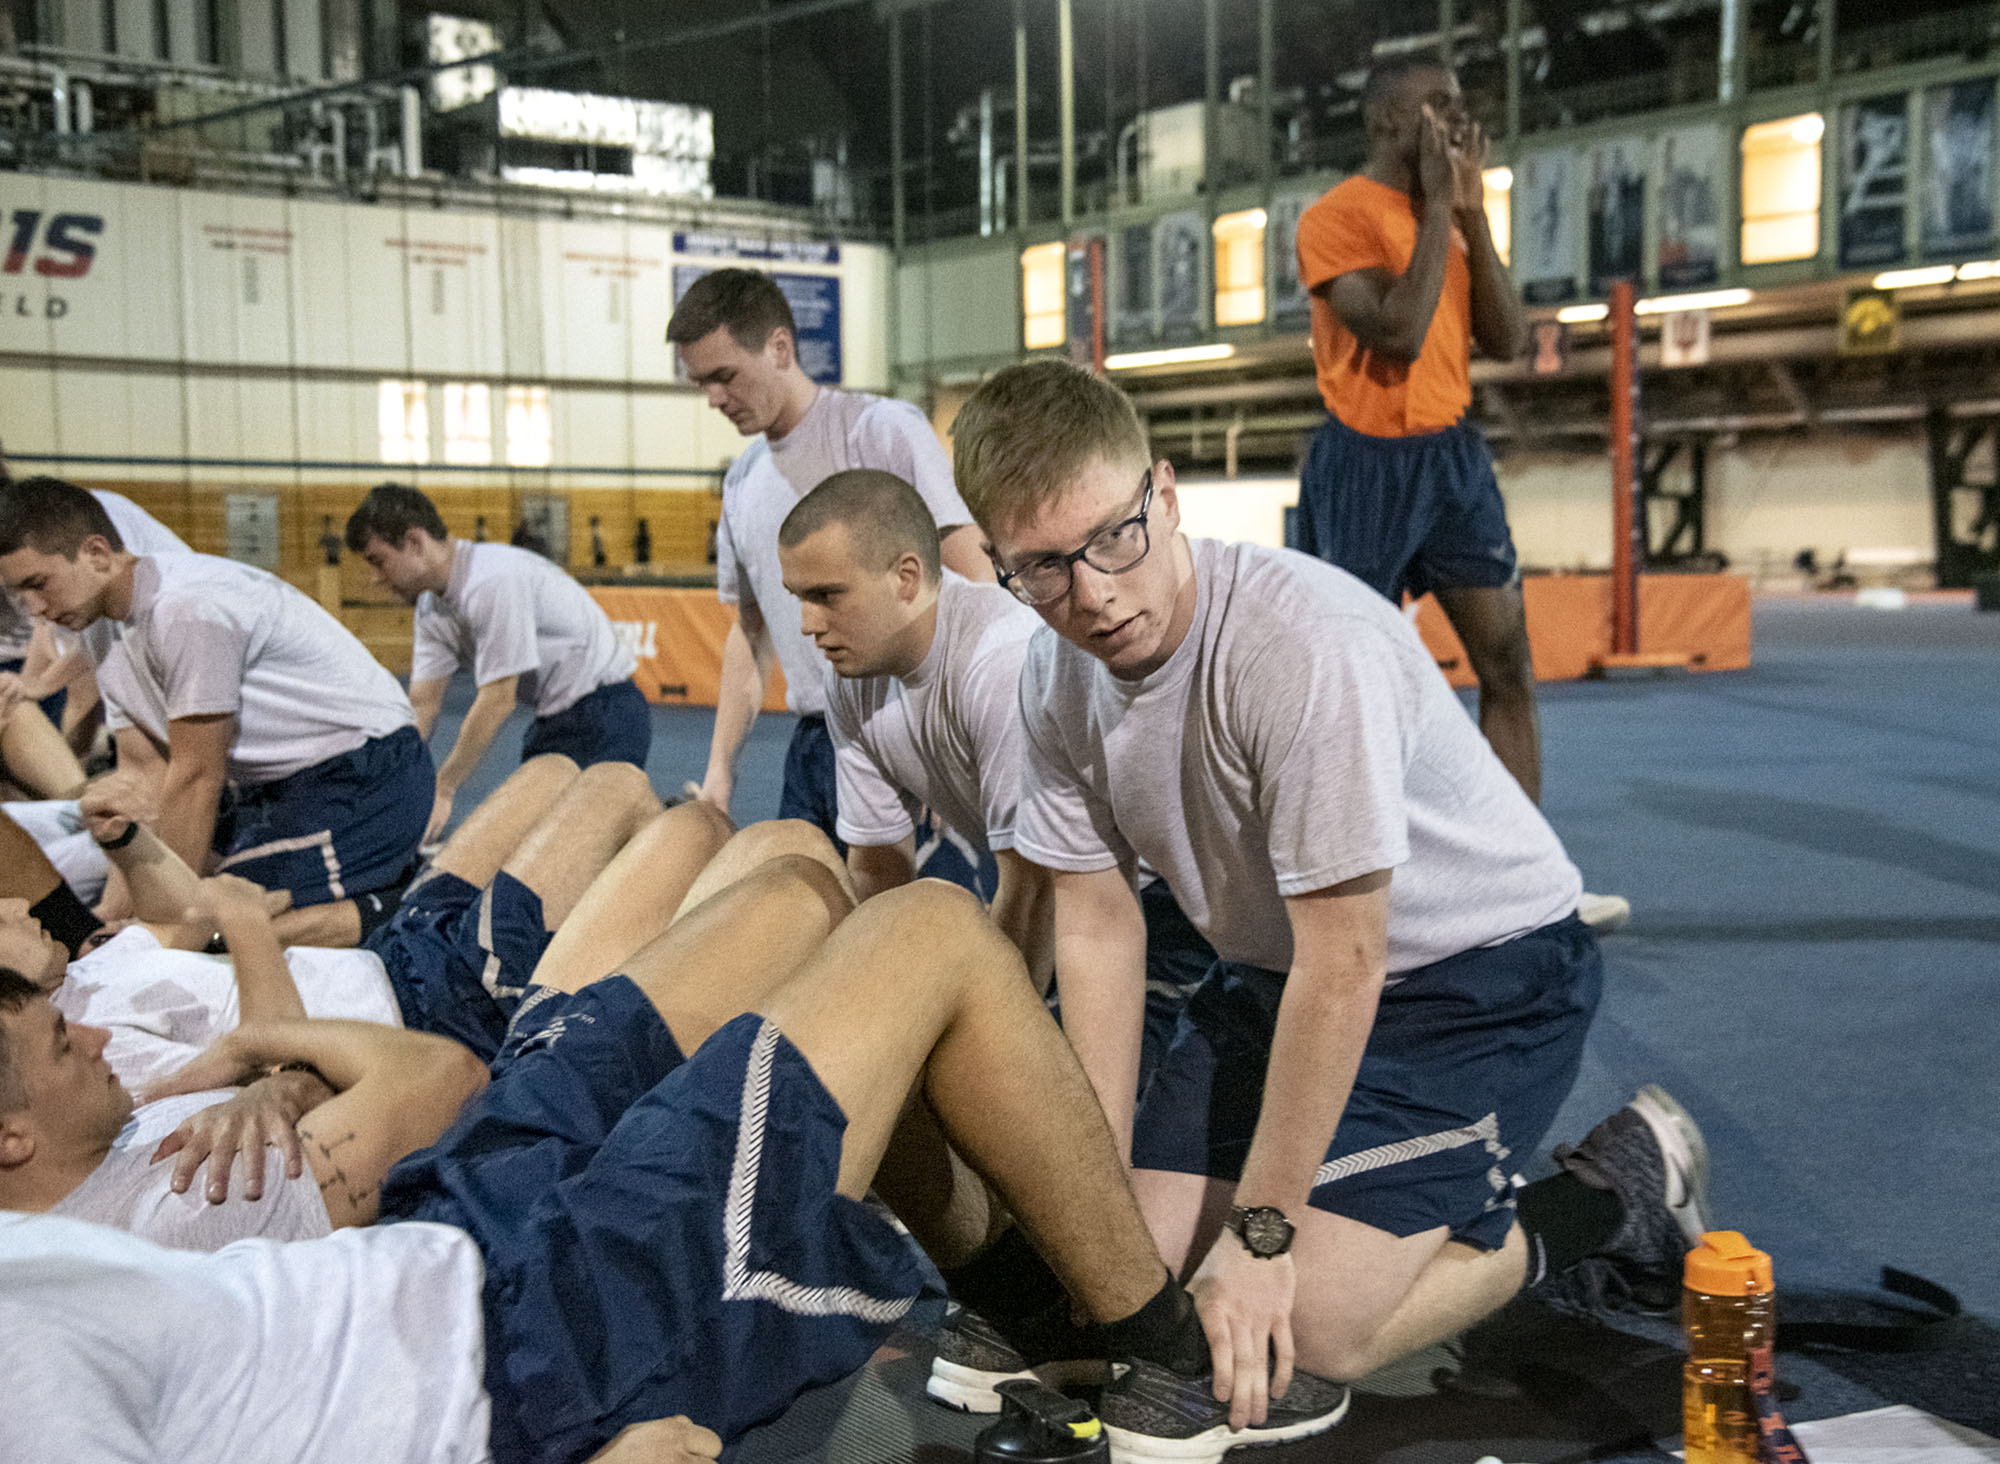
x,y
1040,1426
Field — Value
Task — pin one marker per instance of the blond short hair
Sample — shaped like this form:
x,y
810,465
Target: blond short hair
x,y
1031,431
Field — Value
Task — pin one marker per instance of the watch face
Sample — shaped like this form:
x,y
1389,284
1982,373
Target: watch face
x,y
1266,1231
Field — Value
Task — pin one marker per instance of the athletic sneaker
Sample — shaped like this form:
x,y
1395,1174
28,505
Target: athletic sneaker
x,y
974,1356
1652,1156
1151,1413
1603,913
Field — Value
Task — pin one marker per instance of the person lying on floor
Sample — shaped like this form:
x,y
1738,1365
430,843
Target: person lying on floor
x,y
651,1212
142,1012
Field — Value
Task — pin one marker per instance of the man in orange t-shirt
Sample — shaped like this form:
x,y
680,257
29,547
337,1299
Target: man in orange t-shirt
x,y
1398,488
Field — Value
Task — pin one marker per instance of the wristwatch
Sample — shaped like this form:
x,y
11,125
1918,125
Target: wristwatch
x,y
1263,1229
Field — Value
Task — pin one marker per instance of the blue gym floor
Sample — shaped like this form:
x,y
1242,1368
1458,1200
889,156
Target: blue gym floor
x,y
1812,852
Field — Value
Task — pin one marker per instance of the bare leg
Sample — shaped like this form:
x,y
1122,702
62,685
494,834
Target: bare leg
x,y
631,903
35,755
496,828
25,871
1365,1297
758,844
596,816
1493,624
918,991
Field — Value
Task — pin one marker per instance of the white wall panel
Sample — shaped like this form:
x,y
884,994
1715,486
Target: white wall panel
x,y
377,291
325,307
666,431
651,302
159,428
592,265
93,413
452,269
269,418
238,292
593,429
27,412
524,353
338,422
214,418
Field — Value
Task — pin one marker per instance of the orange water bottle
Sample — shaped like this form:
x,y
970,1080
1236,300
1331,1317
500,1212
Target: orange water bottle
x,y
1730,1316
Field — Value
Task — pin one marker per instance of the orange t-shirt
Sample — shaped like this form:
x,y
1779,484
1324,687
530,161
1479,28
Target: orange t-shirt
x,y
1362,224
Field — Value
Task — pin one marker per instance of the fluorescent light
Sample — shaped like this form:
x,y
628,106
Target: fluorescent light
x,y
1699,300
1582,314
1904,279
1980,269
1809,128
1176,356
1498,179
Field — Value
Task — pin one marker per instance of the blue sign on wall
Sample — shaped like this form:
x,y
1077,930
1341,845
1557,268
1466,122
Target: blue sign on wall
x,y
815,302
736,246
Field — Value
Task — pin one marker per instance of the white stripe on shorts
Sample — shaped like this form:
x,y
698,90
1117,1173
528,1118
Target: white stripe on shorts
x,y
322,841
739,1282
1486,1131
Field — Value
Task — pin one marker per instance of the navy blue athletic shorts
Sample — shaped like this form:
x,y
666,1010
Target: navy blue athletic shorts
x,y
1468,1061
660,1236
459,957
346,826
1406,513
610,724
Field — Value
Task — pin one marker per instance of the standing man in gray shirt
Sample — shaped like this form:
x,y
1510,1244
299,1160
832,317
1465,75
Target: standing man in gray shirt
x,y
737,341
1403,986
529,631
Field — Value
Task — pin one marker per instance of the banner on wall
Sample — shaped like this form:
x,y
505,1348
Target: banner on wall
x,y
1290,305
1690,172
815,302
736,246
1180,236
1544,244
1617,211
1874,180
1958,172
1132,319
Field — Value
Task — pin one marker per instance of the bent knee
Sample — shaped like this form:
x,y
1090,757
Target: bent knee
x,y
807,883
551,765
622,781
777,837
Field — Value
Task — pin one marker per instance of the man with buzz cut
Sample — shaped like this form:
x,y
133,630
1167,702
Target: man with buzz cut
x,y
1403,988
737,341
529,631
290,755
922,686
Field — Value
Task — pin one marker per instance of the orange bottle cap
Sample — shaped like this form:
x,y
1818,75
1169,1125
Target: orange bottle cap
x,y
1725,1264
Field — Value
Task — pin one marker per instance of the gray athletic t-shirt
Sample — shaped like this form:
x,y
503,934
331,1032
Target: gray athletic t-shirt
x,y
507,612
1300,735
841,430
131,1193
947,736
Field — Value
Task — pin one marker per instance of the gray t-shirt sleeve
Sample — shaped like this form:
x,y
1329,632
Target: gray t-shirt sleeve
x,y
871,811
202,653
896,437
1329,743
502,614
729,578
992,712
1061,822
433,650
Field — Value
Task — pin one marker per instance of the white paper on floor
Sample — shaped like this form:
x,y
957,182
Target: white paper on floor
x,y
1898,1434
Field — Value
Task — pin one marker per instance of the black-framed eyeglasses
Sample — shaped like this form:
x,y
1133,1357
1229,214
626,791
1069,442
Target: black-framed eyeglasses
x,y
1111,550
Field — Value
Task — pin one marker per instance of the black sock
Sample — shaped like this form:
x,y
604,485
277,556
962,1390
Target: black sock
x,y
1165,1330
1566,1220
1007,1279
376,910
66,918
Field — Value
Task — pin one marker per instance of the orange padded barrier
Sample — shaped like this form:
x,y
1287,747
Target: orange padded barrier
x,y
678,635
1705,617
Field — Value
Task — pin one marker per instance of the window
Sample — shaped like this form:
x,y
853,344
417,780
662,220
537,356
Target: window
x,y
1498,187
530,437
1045,321
468,423
1239,268
1781,172
403,413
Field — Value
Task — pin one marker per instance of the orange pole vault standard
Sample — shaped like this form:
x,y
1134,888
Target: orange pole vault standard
x,y
1627,526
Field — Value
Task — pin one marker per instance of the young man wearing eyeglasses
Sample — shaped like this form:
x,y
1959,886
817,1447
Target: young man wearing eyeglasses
x,y
1404,987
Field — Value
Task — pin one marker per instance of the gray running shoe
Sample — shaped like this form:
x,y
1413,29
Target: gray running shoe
x,y
1652,1156
1153,1414
974,1356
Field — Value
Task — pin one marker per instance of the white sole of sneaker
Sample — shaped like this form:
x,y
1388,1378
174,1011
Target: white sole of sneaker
x,y
1208,1448
970,1390
1686,1153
